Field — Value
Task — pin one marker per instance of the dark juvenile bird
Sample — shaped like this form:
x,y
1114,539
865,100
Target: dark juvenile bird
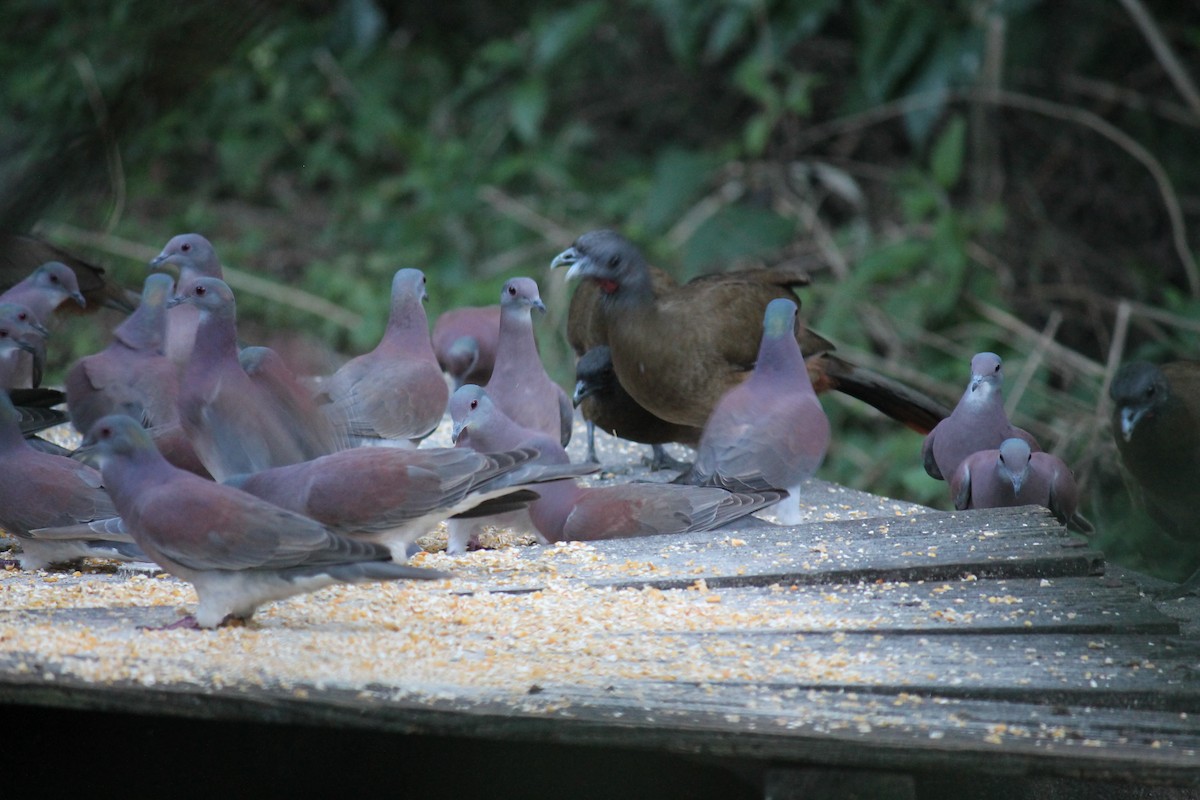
x,y
464,340
187,257
769,430
396,392
978,422
519,385
605,404
1156,424
237,550
132,375
566,511
21,254
1013,475
677,352
393,496
48,502
239,424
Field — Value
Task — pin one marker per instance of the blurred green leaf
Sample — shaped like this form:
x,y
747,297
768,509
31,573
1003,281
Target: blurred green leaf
x,y
733,233
678,179
527,108
949,151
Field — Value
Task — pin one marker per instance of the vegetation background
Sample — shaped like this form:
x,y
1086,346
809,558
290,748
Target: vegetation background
x,y
963,175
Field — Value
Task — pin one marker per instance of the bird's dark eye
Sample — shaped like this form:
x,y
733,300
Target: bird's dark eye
x,y
1149,391
3,334
512,291
614,261
185,246
474,404
23,317
201,291
997,369
54,279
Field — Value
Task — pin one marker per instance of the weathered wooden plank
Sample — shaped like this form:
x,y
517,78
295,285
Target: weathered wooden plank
x,y
1024,605
756,723
1001,543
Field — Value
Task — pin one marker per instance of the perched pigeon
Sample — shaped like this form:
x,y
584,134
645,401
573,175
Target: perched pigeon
x,y
42,292
519,385
188,256
20,328
770,430
239,424
396,392
237,550
49,503
46,288
464,341
978,422
132,375
1013,475
566,511
393,496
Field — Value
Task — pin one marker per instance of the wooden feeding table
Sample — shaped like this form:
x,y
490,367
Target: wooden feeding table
x,y
881,648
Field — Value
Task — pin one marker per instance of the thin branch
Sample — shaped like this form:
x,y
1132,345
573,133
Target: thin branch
x,y
1163,52
237,279
520,213
1036,356
1063,355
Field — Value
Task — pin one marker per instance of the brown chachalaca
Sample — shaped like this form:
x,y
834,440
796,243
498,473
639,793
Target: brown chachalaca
x,y
607,403
678,351
1156,424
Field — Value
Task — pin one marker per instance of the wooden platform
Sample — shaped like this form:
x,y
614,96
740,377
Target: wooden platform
x,y
877,648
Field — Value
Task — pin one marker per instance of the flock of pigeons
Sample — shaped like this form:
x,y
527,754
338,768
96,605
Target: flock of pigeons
x,y
229,471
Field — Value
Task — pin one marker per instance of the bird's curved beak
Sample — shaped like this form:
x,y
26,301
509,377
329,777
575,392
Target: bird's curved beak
x,y
538,305
164,263
41,329
79,298
566,258
570,257
976,382
177,300
582,392
458,431
1130,417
